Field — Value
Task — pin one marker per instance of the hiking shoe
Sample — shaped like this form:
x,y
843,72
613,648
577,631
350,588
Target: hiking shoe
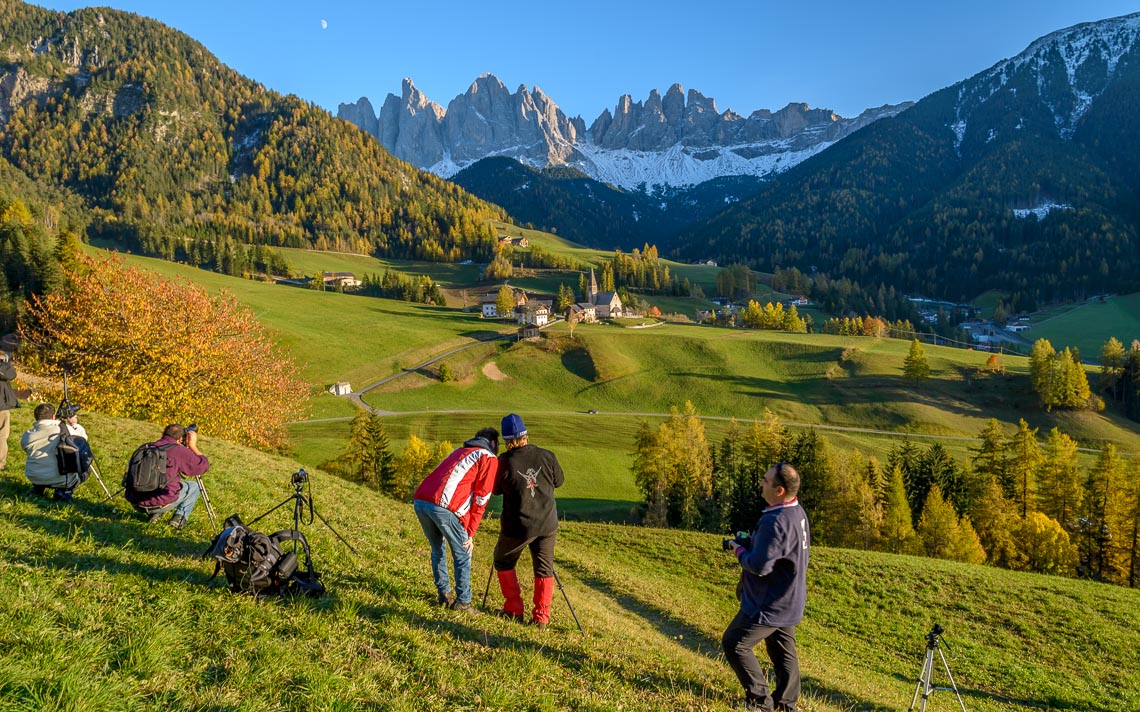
x,y
59,496
177,521
462,607
514,617
538,624
38,491
444,600
154,517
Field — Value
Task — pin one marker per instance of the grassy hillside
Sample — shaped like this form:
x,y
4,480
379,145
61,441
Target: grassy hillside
x,y
845,382
1088,325
105,612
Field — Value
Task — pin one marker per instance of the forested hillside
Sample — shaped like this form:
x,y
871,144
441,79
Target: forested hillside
x,y
179,156
1009,180
579,208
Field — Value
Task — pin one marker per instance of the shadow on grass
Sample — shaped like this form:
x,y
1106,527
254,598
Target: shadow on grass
x,y
564,644
666,623
585,509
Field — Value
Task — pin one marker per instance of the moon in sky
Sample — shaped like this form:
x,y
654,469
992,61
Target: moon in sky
x,y
324,24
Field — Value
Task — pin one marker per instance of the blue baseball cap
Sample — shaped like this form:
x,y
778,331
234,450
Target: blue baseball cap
x,y
513,427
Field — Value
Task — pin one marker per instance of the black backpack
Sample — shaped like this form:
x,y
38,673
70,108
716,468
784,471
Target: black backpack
x,y
146,470
73,457
256,563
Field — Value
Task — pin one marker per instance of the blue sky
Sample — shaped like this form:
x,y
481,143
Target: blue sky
x,y
843,55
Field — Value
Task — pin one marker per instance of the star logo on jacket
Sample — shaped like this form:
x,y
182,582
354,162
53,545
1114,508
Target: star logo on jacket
x,y
531,477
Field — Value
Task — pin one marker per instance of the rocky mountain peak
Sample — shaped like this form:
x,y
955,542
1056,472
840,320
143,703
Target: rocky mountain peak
x,y
679,138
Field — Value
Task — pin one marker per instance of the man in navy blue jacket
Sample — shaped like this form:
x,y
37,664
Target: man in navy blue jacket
x,y
773,590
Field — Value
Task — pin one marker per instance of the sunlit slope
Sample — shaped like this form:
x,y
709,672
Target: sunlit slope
x,y
104,612
803,378
338,337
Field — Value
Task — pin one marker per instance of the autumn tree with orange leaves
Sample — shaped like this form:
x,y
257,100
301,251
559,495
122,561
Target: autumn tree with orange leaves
x,y
139,346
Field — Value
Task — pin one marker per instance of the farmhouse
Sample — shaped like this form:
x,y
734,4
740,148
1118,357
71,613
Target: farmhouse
x,y
345,280
340,388
535,313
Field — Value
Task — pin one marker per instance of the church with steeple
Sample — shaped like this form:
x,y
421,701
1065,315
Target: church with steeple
x,y
607,305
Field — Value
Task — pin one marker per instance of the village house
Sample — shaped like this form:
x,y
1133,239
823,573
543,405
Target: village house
x,y
587,313
344,280
535,313
340,388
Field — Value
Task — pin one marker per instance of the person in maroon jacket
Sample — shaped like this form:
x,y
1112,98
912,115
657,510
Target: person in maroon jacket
x,y
528,476
179,494
449,504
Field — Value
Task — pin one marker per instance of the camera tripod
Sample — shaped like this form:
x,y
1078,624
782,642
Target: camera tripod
x,y
926,677
62,414
300,499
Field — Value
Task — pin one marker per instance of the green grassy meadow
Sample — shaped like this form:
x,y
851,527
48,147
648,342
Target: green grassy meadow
x,y
1089,325
846,384
105,612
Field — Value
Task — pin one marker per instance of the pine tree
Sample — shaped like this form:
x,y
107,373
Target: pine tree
x,y
938,526
1044,546
1023,457
1059,488
1041,368
1111,367
1096,539
649,473
989,457
897,533
995,521
966,546
915,365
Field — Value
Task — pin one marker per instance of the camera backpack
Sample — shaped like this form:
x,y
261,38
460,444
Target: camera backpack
x,y
146,470
73,457
258,565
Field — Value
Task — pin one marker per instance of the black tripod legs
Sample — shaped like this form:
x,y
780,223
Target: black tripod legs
x,y
563,590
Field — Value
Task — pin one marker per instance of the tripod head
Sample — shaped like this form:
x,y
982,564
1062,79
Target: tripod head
x,y
65,409
934,637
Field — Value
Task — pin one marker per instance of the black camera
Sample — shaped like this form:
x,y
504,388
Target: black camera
x,y
743,539
66,410
300,477
191,428
936,631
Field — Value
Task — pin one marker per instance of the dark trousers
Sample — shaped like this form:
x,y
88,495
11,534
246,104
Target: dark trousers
x,y
509,549
744,634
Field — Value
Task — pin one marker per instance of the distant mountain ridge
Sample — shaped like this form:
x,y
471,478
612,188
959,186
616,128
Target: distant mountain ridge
x,y
1022,178
675,140
177,155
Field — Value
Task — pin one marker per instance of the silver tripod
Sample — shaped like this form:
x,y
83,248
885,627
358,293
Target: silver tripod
x,y
926,677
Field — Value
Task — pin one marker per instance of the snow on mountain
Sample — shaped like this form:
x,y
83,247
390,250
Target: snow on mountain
x,y
1068,69
670,141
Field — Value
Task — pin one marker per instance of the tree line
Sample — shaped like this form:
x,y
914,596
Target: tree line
x,y
1017,503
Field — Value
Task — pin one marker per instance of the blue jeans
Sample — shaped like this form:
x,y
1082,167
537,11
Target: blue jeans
x,y
187,498
440,523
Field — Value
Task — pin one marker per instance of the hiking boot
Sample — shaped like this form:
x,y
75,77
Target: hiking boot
x,y
444,600
513,617
177,522
60,496
38,491
541,625
462,607
154,517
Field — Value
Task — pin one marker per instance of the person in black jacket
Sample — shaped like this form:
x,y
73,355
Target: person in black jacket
x,y
527,478
772,592
7,402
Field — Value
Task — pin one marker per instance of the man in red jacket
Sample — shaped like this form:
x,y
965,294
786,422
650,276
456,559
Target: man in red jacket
x,y
449,504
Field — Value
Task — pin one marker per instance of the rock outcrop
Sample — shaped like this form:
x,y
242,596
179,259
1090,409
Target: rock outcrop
x,y
674,140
